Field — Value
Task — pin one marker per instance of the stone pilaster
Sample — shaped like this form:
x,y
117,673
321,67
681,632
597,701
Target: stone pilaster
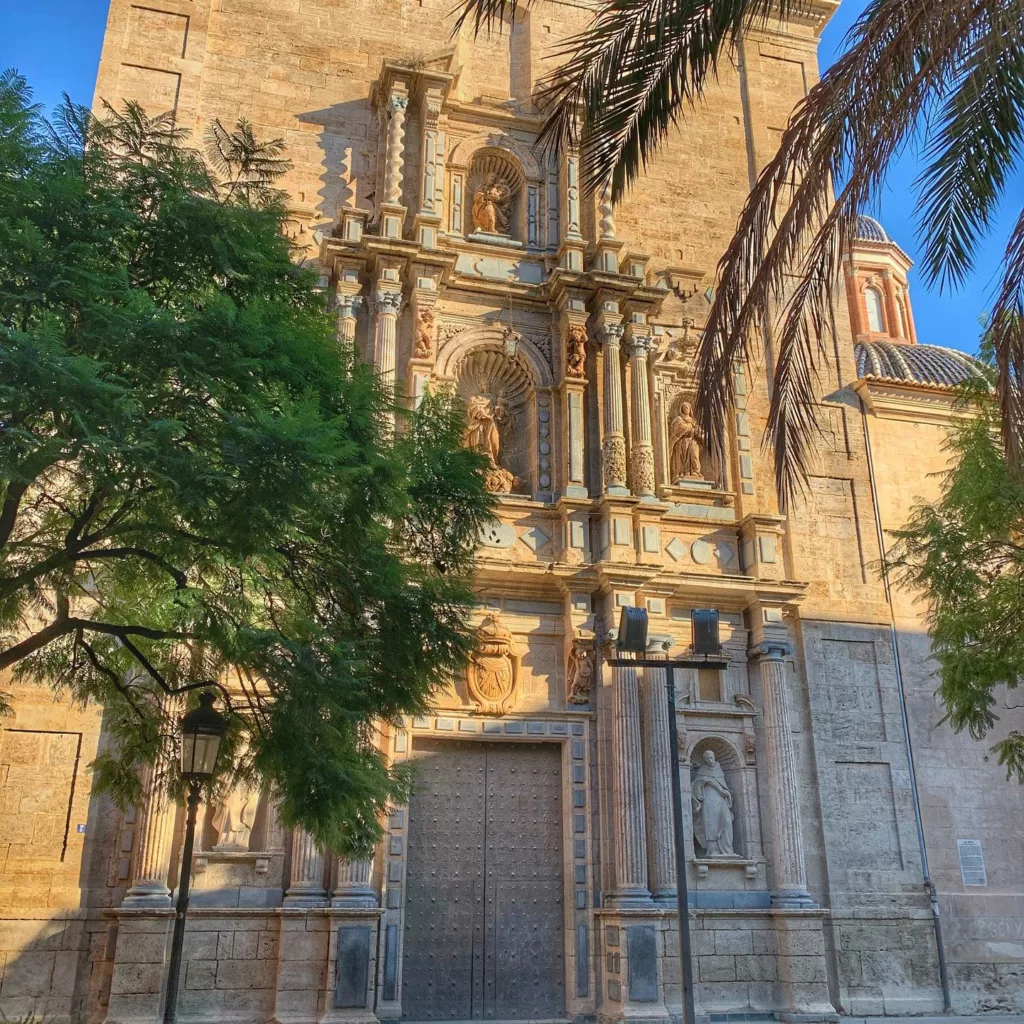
x,y
572,243
432,160
573,335
642,455
352,884
789,874
392,210
613,447
306,882
628,793
658,779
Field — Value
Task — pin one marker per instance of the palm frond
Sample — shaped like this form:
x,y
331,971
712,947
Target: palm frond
x,y
849,128
1006,333
247,166
629,75
137,136
975,145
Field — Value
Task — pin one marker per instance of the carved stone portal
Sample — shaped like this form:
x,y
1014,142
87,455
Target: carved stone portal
x,y
712,808
493,668
581,672
684,444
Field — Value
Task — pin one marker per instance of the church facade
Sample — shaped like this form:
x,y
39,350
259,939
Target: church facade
x,y
833,820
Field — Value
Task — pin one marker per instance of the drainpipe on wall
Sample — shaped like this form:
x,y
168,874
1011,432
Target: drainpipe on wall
x,y
929,885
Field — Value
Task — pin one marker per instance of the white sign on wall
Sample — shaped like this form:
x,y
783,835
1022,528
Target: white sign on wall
x,y
972,862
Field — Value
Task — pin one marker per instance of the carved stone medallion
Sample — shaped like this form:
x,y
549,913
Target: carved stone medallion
x,y
493,670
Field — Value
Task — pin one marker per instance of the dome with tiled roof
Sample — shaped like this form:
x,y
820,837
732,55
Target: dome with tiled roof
x,y
915,364
869,230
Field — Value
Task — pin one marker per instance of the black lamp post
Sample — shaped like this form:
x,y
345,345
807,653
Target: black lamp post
x,y
707,653
202,730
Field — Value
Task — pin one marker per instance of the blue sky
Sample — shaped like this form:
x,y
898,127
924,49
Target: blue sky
x,y
56,45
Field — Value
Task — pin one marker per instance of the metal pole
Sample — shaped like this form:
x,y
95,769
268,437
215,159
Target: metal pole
x,y
174,967
682,896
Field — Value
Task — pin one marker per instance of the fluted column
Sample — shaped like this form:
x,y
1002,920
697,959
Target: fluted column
x,y
348,307
613,448
640,419
630,827
658,778
306,882
386,305
352,886
789,874
152,858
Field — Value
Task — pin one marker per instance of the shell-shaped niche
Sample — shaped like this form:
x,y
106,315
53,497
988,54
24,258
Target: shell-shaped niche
x,y
495,193
505,382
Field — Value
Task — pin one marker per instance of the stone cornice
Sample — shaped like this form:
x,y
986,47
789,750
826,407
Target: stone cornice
x,y
905,400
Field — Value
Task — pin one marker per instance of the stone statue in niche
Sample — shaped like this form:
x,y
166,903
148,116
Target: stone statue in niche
x,y
482,420
491,206
712,808
581,672
493,669
576,351
684,444
234,816
424,346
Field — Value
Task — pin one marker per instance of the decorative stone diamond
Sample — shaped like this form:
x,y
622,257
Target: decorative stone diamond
x,y
676,549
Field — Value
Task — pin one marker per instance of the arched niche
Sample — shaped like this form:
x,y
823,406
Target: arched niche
x,y
507,370
707,469
493,158
739,779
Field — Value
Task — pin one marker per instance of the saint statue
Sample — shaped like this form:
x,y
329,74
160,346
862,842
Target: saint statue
x,y
490,207
482,435
712,808
581,673
234,817
684,444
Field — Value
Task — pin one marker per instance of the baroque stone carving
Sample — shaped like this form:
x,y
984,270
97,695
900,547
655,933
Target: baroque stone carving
x,y
580,676
575,351
712,808
643,470
613,456
482,420
490,206
493,670
234,816
684,444
424,346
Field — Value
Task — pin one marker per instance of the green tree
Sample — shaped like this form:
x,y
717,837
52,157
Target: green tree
x,y
966,553
946,71
198,482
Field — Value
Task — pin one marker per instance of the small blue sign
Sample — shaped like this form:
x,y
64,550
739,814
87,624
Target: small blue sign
x,y
80,829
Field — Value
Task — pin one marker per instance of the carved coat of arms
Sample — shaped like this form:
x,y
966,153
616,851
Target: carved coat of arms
x,y
493,668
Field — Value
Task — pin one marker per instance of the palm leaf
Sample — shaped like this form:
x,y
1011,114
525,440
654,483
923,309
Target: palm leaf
x,y
1006,333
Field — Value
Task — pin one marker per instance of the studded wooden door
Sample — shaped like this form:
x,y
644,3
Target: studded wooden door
x,y
484,896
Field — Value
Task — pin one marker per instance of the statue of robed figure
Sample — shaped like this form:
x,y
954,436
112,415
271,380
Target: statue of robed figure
x,y
712,808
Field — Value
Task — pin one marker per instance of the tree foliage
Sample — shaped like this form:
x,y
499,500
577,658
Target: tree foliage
x,y
198,482
966,553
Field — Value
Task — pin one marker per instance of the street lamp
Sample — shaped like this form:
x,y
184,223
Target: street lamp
x,y
202,730
707,653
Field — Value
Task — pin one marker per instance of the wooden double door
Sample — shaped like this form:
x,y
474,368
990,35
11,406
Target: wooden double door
x,y
484,905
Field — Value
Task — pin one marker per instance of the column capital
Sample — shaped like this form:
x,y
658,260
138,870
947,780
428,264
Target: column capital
x,y
348,305
610,333
386,301
639,345
771,649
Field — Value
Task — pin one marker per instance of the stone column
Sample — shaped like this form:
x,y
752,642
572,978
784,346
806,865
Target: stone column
x,y
789,874
628,793
352,886
386,306
613,448
348,307
640,410
306,883
152,858
392,211
658,777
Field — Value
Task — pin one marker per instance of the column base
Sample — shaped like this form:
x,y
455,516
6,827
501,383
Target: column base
x,y
158,896
575,491
305,898
618,490
355,900
793,899
649,499
640,897
666,897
